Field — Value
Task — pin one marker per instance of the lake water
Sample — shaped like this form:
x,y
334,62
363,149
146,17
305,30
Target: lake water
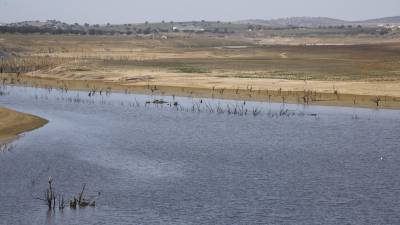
x,y
153,164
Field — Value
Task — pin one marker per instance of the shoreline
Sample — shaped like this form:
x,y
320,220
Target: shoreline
x,y
306,97
13,124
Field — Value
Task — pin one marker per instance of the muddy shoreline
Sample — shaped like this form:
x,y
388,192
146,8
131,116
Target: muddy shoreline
x,y
307,97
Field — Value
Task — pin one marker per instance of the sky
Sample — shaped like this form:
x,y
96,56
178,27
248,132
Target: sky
x,y
137,11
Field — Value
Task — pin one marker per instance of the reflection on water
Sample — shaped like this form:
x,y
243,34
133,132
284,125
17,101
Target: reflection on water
x,y
200,161
6,147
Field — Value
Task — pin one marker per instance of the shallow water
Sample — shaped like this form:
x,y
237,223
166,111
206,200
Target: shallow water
x,y
162,165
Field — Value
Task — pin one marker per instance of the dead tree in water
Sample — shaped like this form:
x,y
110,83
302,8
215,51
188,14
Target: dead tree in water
x,y
50,197
61,202
81,201
73,203
336,93
377,100
80,197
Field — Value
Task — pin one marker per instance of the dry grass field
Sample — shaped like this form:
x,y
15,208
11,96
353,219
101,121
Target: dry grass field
x,y
325,73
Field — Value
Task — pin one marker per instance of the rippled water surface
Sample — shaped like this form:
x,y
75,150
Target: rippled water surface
x,y
175,165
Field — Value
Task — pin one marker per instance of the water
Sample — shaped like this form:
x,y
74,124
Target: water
x,y
158,165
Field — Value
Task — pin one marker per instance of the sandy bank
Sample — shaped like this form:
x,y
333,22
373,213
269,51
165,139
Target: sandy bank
x,y
13,123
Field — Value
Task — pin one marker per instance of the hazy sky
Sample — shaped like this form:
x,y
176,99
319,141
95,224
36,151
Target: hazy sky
x,y
125,11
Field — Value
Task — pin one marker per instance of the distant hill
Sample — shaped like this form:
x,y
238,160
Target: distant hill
x,y
285,26
320,22
297,21
395,20
47,23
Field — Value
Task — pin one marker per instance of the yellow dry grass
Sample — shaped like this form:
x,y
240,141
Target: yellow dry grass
x,y
13,123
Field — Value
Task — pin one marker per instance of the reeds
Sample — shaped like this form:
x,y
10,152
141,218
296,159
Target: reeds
x,y
97,96
240,109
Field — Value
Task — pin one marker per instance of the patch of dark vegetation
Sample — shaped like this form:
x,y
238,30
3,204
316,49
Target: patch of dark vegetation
x,y
141,78
157,101
192,70
81,69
